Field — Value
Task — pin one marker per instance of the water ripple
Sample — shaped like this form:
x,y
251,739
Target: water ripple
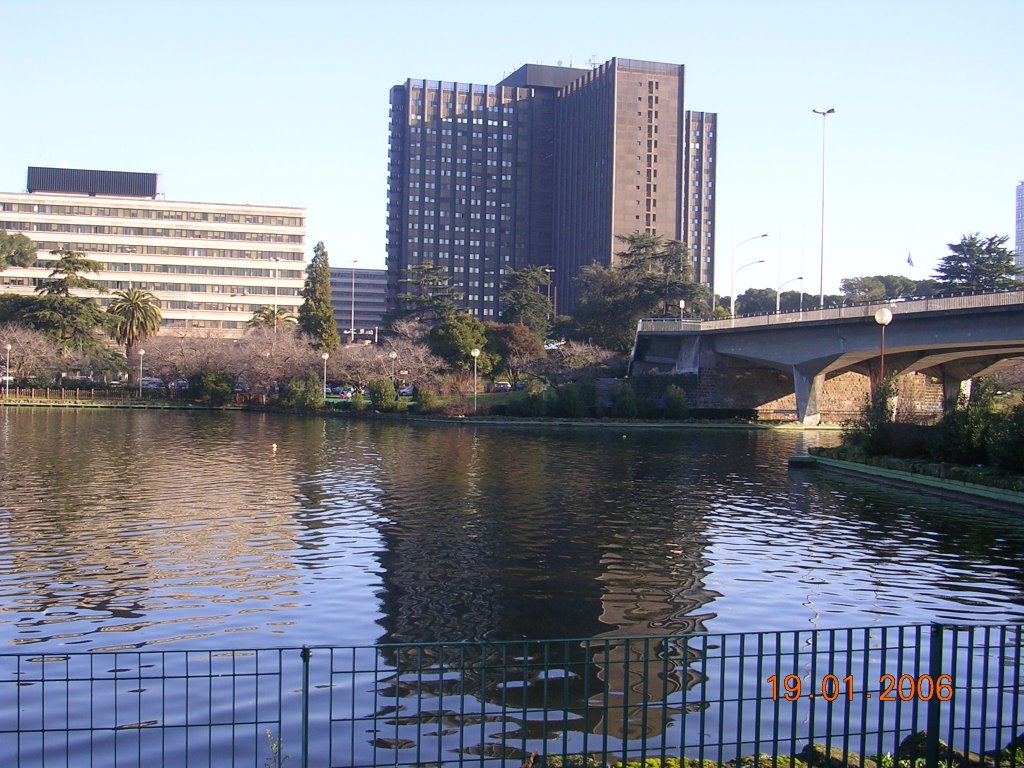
x,y
123,529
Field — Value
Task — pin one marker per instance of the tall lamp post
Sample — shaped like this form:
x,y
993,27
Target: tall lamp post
x,y
7,372
883,317
778,293
475,353
821,287
550,272
732,299
734,270
142,354
352,316
394,356
324,357
682,307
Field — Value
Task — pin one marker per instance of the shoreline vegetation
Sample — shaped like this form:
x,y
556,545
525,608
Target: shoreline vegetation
x,y
912,753
977,448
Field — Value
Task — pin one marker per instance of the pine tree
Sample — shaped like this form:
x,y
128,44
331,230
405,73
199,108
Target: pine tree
x,y
978,264
316,315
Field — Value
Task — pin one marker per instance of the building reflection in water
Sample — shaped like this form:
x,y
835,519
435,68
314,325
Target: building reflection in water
x,y
499,539
152,541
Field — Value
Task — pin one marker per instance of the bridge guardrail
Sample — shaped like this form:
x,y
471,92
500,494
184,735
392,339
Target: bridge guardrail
x,y
846,311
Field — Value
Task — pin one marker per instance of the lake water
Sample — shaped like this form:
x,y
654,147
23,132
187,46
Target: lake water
x,y
124,529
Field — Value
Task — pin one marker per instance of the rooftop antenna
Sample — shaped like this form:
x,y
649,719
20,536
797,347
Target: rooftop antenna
x,y
592,61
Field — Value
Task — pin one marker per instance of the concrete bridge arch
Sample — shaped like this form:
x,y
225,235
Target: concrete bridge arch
x,y
952,339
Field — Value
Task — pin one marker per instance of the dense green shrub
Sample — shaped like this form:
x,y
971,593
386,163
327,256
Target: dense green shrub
x,y
306,393
383,396
675,402
1006,441
533,403
871,432
570,402
211,388
426,400
964,433
624,405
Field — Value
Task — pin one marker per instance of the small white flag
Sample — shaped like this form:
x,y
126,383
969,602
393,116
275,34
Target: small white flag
x,y
910,261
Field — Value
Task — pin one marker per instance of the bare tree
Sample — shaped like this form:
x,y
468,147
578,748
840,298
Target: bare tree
x,y
32,353
578,359
267,360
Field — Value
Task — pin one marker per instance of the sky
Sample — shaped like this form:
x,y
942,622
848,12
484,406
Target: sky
x,y
286,103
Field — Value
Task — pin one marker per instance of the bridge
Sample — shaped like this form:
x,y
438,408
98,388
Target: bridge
x,y
952,338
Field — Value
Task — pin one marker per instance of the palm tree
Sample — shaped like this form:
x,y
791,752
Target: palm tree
x,y
135,316
271,317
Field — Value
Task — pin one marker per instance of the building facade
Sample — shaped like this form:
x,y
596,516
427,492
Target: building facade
x,y
1018,245
211,266
359,298
546,168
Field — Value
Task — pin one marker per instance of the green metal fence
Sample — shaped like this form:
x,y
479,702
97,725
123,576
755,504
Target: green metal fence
x,y
903,690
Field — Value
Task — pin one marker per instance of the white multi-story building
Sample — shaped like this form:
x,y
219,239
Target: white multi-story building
x,y
210,265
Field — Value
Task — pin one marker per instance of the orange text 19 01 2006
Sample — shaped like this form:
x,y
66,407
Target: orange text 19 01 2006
x,y
891,688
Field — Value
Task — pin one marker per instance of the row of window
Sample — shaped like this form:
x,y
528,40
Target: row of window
x,y
192,269
204,234
188,288
415,158
169,250
447,227
157,213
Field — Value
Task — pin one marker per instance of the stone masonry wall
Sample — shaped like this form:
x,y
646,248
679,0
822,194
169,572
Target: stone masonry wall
x,y
769,393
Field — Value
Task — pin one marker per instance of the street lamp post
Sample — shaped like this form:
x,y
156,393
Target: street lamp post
x,y
883,317
682,306
475,353
324,357
352,316
550,271
394,356
7,372
778,293
821,286
734,270
732,299
142,353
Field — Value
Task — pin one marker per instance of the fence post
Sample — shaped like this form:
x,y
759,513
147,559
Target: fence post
x,y
304,655
931,749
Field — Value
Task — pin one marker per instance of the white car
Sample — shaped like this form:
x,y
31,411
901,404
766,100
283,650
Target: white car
x,y
407,391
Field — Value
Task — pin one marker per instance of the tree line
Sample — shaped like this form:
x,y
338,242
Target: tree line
x,y
428,338
975,264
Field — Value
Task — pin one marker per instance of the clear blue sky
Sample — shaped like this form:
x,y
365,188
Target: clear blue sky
x,y
287,103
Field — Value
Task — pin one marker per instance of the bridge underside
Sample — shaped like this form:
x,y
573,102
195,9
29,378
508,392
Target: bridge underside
x,y
949,351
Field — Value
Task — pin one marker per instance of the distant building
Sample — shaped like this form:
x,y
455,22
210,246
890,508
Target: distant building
x,y
546,168
210,265
1019,241
369,306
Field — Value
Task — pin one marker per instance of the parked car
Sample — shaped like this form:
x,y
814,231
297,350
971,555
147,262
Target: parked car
x,y
407,391
148,383
502,386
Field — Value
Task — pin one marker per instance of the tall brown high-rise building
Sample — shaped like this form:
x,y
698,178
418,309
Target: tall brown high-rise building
x,y
546,168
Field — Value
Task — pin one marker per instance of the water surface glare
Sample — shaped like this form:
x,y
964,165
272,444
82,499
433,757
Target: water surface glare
x,y
122,529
